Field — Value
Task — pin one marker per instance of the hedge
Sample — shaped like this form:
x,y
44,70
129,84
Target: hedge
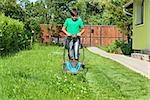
x,y
12,36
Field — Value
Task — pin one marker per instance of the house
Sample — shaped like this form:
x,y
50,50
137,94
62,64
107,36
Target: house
x,y
141,24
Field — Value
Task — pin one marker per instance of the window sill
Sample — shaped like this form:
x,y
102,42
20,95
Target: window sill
x,y
139,25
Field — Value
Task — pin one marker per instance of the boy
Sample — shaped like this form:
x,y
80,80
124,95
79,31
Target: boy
x,y
73,28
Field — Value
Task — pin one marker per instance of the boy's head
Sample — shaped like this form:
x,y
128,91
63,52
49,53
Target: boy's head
x,y
74,14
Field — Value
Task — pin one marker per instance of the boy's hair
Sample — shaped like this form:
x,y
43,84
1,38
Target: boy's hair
x,y
74,12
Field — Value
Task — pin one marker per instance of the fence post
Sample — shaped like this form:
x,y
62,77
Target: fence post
x,y
122,39
100,36
91,31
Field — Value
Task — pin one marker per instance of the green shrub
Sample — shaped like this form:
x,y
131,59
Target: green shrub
x,y
119,47
114,47
127,48
12,36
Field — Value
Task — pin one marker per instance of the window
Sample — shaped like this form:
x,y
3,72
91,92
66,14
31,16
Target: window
x,y
140,12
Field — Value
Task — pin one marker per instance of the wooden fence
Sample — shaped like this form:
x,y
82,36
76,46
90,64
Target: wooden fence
x,y
46,35
97,35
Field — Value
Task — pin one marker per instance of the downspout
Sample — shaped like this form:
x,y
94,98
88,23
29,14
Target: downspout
x,y
131,15
124,10
126,5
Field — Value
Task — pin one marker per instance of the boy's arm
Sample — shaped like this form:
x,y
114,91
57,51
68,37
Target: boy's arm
x,y
65,31
81,32
82,28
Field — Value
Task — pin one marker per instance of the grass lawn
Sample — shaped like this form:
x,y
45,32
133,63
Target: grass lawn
x,y
37,75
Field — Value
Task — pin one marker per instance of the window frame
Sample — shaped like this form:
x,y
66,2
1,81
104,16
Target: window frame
x,y
141,14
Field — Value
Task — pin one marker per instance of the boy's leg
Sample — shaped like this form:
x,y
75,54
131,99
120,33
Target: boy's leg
x,y
76,50
70,50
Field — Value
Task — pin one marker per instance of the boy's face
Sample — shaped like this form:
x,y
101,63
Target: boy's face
x,y
74,18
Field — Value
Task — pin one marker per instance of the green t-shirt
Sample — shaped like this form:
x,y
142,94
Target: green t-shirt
x,y
73,27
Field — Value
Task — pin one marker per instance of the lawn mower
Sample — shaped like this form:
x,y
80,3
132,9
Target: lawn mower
x,y
73,67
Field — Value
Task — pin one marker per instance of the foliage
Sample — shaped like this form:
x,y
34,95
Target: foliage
x,y
127,48
28,16
35,14
12,37
11,9
123,21
119,47
32,24
100,12
38,10
115,47
97,12
107,12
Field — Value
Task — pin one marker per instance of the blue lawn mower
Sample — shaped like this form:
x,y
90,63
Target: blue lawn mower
x,y
73,66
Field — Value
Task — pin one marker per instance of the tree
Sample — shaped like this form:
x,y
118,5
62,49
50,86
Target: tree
x,y
12,9
115,9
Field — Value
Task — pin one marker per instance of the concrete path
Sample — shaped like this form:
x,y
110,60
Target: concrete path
x,y
139,66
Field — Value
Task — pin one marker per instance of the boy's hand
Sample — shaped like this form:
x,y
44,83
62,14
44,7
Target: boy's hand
x,y
68,34
78,34
74,36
